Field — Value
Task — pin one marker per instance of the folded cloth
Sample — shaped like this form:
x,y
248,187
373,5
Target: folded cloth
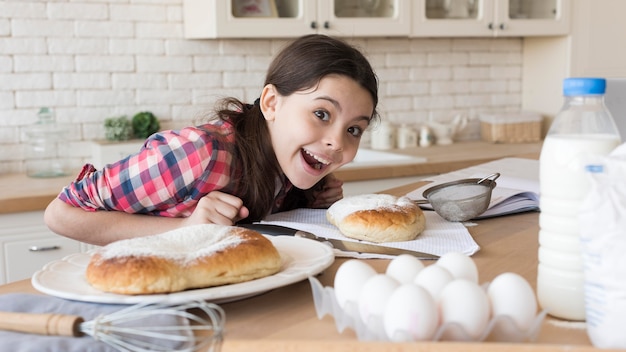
x,y
33,303
439,237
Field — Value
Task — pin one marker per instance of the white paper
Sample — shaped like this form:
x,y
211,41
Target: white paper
x,y
439,237
517,188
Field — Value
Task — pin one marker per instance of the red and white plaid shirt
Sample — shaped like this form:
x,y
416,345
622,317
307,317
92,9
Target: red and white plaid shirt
x,y
167,177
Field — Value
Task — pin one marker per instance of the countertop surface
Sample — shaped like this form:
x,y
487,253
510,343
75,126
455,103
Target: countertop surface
x,y
20,193
284,319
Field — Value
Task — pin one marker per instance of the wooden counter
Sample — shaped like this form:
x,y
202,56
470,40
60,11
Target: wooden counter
x,y
441,159
284,319
21,193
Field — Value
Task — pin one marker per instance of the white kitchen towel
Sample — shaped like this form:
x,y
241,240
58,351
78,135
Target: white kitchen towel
x,y
35,303
439,237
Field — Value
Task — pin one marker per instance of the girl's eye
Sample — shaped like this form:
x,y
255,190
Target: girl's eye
x,y
322,115
355,131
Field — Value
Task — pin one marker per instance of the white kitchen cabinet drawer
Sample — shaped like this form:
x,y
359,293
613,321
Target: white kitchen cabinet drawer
x,y
24,255
26,245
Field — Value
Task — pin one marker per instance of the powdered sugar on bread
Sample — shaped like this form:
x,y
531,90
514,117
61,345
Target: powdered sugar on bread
x,y
191,257
377,218
184,245
350,205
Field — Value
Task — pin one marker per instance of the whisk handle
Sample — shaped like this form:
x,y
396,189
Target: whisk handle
x,y
42,324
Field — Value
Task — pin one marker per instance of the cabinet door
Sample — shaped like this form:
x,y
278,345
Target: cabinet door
x,y
453,18
531,17
245,19
294,18
470,18
364,18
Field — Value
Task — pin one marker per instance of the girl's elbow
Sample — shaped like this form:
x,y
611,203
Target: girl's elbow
x,y
52,215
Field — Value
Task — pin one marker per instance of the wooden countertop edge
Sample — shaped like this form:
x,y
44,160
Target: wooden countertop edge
x,y
20,193
23,204
365,346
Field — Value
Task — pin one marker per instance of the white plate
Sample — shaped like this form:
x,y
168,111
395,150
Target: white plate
x,y
65,278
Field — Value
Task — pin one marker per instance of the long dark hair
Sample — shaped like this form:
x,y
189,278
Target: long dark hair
x,y
299,66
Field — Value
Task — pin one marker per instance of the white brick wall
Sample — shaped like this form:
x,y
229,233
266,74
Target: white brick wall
x,y
93,59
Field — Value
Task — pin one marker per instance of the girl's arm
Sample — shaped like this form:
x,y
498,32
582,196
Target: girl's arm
x,y
103,227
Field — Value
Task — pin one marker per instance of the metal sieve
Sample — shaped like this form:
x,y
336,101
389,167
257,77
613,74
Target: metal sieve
x,y
461,200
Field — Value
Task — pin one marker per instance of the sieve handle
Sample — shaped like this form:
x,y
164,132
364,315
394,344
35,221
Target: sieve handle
x,y
41,323
494,175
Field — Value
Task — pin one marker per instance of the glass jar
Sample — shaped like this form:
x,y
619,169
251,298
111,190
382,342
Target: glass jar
x,y
47,151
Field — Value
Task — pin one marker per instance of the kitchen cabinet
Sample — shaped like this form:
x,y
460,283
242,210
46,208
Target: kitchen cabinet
x,y
27,245
294,18
594,48
490,18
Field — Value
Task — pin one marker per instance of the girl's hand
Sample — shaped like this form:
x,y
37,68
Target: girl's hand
x,y
218,208
330,192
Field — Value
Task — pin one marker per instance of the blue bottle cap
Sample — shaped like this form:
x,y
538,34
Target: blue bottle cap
x,y
584,86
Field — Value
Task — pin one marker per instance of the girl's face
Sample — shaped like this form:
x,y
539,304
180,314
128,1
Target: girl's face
x,y
317,130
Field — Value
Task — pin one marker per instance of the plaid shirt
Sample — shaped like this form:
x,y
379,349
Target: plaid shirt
x,y
167,177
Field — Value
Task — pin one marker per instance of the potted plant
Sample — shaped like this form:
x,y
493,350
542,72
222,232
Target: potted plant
x,y
145,124
118,128
123,136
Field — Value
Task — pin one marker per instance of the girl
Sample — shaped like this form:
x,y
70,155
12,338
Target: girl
x,y
277,154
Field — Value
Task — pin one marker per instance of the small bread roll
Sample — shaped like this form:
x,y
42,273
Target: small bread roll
x,y
377,218
191,257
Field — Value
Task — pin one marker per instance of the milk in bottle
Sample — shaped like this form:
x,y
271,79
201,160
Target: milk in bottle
x,y
584,128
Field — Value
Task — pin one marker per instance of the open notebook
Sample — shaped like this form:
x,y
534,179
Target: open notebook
x,y
516,191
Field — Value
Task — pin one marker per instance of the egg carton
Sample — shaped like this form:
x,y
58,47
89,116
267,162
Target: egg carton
x,y
499,328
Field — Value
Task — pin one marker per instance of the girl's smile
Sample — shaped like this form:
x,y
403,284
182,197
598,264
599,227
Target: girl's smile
x,y
314,161
317,130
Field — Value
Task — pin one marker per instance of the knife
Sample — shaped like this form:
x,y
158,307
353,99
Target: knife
x,y
346,246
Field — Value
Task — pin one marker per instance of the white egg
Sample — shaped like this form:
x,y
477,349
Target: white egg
x,y
459,265
433,279
411,315
404,268
349,280
375,295
511,295
465,303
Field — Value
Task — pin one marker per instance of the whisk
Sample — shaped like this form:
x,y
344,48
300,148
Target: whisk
x,y
188,326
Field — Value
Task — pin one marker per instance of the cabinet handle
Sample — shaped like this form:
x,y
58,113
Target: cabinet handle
x,y
502,26
44,248
313,25
326,25
490,26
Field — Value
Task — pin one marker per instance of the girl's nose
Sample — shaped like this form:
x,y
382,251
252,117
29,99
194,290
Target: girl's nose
x,y
334,140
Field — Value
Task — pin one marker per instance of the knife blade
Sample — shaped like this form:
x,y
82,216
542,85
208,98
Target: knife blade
x,y
346,246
